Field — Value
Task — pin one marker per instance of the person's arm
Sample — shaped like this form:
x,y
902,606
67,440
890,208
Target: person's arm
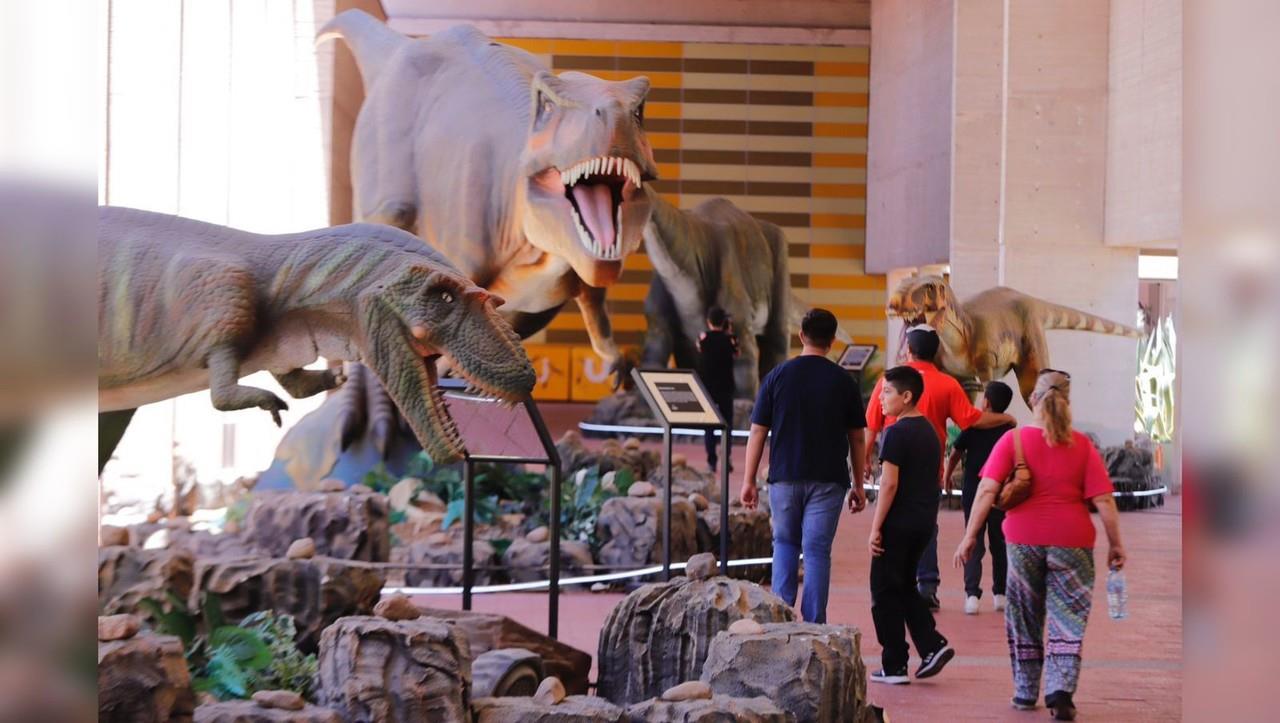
x,y
749,494
953,461
875,423
884,500
1106,505
982,505
857,495
989,420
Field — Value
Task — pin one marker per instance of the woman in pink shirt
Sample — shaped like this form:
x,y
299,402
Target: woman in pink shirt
x,y
1050,539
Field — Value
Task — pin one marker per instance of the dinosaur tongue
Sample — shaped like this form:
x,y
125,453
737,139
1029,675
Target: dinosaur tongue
x,y
596,204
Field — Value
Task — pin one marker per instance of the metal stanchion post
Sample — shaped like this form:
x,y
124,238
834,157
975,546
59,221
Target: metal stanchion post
x,y
666,518
468,532
726,445
553,615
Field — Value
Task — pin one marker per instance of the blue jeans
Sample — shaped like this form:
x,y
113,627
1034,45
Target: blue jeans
x,y
927,574
805,515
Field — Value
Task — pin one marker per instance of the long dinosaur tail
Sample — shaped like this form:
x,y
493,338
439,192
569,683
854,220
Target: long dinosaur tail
x,y
371,41
797,308
1056,316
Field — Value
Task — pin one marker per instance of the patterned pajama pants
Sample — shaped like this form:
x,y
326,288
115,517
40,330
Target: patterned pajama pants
x,y
1052,582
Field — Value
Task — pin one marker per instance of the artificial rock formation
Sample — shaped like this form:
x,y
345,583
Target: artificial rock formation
x,y
144,679
508,672
750,536
128,575
488,631
247,711
688,481
315,592
342,525
381,671
574,709
659,635
436,551
631,528
527,561
714,709
814,671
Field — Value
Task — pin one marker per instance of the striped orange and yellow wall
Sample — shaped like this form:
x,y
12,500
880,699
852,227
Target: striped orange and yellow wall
x,y
780,130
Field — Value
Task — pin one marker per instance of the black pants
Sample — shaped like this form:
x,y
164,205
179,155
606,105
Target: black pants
x,y
895,606
724,402
999,557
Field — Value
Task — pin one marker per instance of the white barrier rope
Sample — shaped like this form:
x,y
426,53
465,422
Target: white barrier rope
x,y
540,584
627,429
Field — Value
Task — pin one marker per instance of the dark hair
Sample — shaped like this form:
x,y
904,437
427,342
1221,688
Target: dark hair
x,y
716,317
923,344
999,395
905,379
819,327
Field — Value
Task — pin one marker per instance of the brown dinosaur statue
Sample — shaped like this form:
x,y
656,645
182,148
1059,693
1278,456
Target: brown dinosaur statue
x,y
185,306
992,333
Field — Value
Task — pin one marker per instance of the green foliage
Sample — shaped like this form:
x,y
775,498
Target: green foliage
x,y
234,661
238,510
1155,382
581,497
379,479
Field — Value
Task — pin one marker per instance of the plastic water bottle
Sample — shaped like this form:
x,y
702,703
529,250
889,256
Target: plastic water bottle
x,y
1117,597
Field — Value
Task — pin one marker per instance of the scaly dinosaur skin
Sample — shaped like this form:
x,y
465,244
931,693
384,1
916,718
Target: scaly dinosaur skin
x,y
716,255
994,332
186,306
529,182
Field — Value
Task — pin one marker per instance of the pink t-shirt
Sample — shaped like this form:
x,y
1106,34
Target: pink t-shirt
x,y
1062,478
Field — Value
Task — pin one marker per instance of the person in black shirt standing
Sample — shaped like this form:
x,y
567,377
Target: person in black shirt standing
x,y
717,348
814,411
906,513
975,446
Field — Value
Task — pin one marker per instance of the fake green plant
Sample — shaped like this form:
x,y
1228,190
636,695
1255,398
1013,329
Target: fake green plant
x,y
234,661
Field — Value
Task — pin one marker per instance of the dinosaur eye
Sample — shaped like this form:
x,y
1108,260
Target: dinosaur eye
x,y
546,107
638,113
446,297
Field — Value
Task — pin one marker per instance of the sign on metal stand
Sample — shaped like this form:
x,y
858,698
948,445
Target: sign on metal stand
x,y
500,434
682,405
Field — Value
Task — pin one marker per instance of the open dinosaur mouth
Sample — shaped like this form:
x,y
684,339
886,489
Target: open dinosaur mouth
x,y
445,430
596,190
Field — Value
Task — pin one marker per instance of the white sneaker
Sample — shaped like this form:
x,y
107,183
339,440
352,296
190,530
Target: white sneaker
x,y
971,605
998,601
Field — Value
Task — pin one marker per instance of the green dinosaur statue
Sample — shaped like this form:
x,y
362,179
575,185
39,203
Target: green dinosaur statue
x,y
529,182
186,306
716,255
994,332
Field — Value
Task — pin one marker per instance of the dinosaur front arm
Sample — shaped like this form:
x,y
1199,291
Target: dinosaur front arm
x,y
592,303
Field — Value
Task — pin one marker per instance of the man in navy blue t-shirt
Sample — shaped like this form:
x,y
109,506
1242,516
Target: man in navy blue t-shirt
x,y
814,410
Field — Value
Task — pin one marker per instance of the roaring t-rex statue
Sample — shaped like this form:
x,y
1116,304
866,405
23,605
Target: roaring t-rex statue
x,y
993,332
185,306
716,254
529,182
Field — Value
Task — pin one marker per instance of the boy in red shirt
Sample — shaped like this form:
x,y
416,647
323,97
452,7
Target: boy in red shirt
x,y
943,399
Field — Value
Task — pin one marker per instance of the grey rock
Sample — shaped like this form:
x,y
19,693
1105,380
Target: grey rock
x,y
445,550
688,690
746,627
538,534
527,561
128,575
303,549
716,709
574,709
246,711
144,678
315,592
750,536
701,566
814,671
279,699
110,536
118,627
659,635
641,489
507,672
377,670
345,526
630,531
397,607
550,691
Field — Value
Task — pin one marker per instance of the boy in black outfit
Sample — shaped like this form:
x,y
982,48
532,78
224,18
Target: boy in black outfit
x,y
717,348
906,512
974,446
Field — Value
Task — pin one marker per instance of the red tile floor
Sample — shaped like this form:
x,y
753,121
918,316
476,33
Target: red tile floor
x,y
1132,667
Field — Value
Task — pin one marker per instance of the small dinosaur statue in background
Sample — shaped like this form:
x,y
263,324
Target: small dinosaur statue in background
x,y
185,306
716,254
994,332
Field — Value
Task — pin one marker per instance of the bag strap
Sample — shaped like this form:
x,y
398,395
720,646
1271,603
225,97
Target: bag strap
x,y
1017,448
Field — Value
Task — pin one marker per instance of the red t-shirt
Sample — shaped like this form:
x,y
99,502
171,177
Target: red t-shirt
x,y
943,398
1062,478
